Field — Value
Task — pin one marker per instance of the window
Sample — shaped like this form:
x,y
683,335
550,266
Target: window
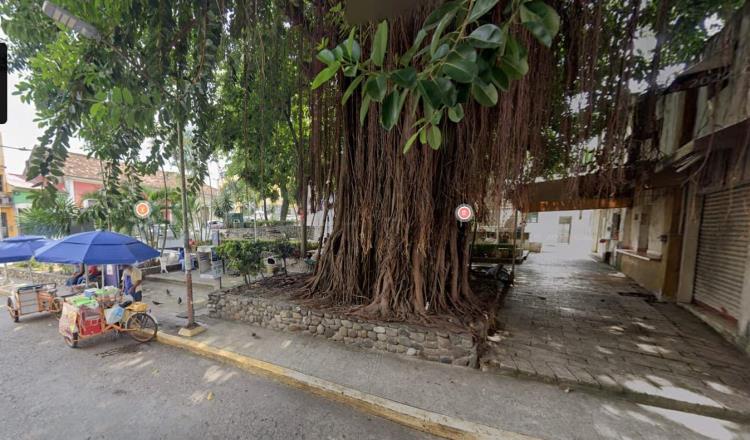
x,y
532,217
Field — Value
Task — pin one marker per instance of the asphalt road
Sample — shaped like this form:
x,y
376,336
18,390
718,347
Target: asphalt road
x,y
115,388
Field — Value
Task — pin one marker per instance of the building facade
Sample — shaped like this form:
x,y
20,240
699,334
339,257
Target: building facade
x,y
8,226
686,236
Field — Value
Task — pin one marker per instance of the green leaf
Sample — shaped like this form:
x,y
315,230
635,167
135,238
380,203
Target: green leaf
x,y
439,13
406,77
423,136
514,62
409,54
500,78
485,94
325,74
338,52
379,44
354,53
436,117
480,8
116,95
456,113
467,51
430,91
460,69
350,71
326,56
441,51
444,22
375,87
127,96
487,35
448,93
363,109
410,142
95,109
352,87
391,110
541,20
434,137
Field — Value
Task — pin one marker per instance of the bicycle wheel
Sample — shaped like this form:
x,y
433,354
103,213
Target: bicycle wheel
x,y
11,311
142,327
57,308
71,341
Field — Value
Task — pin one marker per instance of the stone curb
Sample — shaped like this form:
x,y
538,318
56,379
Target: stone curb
x,y
633,396
430,422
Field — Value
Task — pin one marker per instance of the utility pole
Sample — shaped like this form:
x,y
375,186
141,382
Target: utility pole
x,y
185,230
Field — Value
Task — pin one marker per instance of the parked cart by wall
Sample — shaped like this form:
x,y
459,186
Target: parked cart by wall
x,y
35,298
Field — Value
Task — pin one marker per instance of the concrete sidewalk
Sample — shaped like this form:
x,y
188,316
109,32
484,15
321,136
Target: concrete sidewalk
x,y
572,320
510,404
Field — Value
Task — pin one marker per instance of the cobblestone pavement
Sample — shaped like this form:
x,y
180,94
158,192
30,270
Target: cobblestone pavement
x,y
573,320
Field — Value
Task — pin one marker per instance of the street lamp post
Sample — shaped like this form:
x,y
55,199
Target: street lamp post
x,y
69,20
87,30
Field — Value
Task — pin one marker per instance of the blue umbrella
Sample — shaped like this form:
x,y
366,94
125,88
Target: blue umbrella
x,y
96,247
20,248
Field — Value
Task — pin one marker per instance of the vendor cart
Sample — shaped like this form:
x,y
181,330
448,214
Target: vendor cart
x,y
36,298
81,319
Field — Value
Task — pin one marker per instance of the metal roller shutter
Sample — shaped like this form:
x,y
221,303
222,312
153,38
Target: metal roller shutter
x,y
723,249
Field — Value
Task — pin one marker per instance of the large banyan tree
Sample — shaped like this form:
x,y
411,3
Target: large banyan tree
x,y
458,102
447,102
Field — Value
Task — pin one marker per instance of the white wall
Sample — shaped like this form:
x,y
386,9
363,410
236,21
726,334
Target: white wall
x,y
547,229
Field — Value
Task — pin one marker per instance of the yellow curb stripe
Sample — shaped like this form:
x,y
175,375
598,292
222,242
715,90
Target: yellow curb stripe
x,y
430,422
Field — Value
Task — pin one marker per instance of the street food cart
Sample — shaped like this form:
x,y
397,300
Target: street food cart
x,y
35,298
101,311
106,310
27,299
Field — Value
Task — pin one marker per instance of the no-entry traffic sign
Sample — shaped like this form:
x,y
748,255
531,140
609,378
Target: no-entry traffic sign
x,y
464,213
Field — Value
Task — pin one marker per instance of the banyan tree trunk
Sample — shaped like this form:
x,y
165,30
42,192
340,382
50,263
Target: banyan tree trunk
x,y
396,250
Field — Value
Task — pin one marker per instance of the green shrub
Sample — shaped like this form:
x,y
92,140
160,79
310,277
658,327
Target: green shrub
x,y
243,256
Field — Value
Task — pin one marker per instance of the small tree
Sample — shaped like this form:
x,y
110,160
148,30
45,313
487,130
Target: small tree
x,y
284,249
243,256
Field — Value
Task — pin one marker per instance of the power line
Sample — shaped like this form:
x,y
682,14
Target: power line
x,y
15,148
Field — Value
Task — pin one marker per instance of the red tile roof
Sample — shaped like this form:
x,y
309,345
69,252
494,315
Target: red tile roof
x,y
81,166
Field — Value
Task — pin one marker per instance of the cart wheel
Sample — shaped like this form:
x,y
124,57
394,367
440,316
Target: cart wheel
x,y
71,341
142,327
57,310
11,310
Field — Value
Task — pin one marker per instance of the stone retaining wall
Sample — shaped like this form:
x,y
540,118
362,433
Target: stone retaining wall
x,y
281,314
38,277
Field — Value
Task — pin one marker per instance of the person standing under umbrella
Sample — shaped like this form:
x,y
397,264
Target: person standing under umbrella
x,y
132,278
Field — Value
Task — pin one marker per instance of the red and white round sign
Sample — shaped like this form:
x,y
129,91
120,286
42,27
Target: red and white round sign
x,y
142,209
464,213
